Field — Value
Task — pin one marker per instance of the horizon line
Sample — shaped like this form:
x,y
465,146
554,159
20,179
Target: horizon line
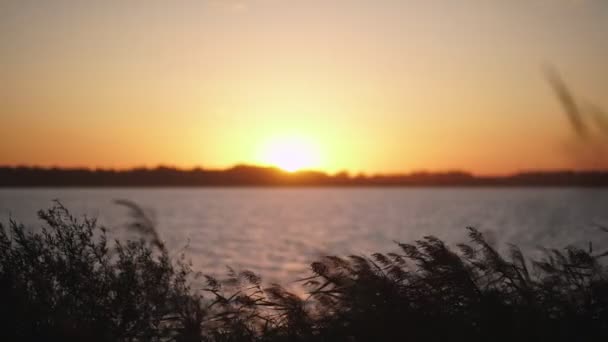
x,y
349,173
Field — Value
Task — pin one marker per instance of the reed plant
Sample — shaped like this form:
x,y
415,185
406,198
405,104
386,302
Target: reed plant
x,y
66,281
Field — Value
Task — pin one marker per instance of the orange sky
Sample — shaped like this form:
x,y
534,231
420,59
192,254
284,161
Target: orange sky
x,y
378,86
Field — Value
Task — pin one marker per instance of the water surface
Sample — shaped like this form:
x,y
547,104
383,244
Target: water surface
x,y
277,232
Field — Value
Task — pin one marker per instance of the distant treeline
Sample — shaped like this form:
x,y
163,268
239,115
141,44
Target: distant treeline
x,y
243,175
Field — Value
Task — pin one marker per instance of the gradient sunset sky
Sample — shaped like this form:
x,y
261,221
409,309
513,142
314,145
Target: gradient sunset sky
x,y
376,85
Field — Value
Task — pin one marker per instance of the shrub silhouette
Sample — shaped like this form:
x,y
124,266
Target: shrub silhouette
x,y
67,282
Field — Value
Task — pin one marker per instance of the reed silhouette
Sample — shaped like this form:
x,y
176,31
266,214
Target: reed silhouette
x,y
67,282
589,146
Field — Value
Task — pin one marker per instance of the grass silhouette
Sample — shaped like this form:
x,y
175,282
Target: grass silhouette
x,y
68,282
588,121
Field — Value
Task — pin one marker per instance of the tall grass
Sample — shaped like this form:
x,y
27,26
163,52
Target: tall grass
x,y
68,282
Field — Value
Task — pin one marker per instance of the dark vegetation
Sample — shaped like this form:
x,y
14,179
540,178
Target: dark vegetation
x,y
244,175
589,124
67,282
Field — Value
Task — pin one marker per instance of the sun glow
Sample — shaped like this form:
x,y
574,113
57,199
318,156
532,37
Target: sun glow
x,y
291,153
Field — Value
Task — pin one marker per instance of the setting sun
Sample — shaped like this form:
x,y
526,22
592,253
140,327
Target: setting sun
x,y
291,153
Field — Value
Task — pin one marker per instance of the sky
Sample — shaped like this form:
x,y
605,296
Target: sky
x,y
374,86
